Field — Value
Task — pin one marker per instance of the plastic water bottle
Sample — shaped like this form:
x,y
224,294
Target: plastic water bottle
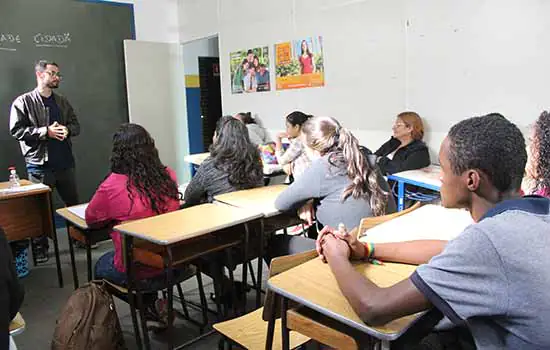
x,y
14,178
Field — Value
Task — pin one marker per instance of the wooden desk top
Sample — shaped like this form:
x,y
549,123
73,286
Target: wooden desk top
x,y
312,284
6,185
429,175
187,223
197,158
261,198
76,220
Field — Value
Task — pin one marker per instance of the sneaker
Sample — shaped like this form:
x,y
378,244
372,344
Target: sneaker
x,y
41,255
156,316
81,245
298,229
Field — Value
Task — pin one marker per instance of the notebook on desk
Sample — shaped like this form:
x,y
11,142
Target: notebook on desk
x,y
79,210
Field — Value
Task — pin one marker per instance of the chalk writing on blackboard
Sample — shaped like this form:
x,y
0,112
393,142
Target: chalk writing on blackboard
x,y
61,40
9,41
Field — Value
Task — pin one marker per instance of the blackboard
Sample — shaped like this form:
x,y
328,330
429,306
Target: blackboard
x,y
86,39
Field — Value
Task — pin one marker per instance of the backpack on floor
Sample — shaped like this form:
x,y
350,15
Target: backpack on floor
x,y
89,321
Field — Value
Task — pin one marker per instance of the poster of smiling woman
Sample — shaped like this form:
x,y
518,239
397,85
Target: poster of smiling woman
x,y
250,70
299,64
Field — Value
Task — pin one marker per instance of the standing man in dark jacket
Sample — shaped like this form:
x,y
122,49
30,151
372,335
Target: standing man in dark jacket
x,y
43,122
11,291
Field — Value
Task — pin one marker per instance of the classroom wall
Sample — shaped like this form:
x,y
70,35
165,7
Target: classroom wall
x,y
446,59
155,20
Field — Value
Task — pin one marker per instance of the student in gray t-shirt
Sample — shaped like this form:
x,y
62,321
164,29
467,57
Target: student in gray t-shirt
x,y
493,278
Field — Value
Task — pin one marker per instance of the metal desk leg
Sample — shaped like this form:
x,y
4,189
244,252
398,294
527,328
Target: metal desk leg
x,y
55,243
271,324
89,256
400,195
245,261
71,251
260,265
284,329
129,258
169,284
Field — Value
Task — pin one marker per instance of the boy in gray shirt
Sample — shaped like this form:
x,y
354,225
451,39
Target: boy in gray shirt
x,y
493,278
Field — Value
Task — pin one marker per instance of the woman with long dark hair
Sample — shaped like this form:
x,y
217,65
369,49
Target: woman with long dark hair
x,y
138,186
538,165
234,164
294,160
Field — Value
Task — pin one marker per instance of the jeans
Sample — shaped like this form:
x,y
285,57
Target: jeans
x,y
281,245
65,183
63,180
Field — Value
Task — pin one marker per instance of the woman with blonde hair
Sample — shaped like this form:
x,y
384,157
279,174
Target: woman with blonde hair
x,y
340,186
406,145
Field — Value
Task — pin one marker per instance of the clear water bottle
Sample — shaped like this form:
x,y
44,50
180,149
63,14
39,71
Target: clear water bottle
x,y
14,178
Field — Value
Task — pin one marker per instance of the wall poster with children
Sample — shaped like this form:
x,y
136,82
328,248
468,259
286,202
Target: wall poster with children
x,y
250,70
299,64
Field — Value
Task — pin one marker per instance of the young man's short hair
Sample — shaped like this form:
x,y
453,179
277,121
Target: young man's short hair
x,y
41,65
492,144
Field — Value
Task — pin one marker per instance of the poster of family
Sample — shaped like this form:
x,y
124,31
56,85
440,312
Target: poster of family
x,y
299,64
250,70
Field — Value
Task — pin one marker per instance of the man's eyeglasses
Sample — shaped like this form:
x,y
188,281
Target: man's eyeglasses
x,y
54,74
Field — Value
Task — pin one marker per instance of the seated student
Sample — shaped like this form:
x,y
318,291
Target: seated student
x,y
344,186
234,164
538,164
294,160
484,279
409,152
257,134
138,186
11,291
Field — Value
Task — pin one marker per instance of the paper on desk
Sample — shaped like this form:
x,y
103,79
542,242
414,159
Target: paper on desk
x,y
79,210
23,188
427,222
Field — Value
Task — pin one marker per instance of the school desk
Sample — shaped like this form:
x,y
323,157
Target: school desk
x,y
26,212
263,200
313,285
427,222
181,235
269,170
77,229
425,178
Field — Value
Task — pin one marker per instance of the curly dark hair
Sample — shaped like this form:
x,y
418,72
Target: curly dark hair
x,y
540,150
492,144
233,154
135,155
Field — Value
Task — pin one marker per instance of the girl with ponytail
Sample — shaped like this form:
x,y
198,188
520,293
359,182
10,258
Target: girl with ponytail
x,y
340,186
344,186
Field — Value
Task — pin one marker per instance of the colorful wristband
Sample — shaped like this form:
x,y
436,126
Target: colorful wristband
x,y
369,250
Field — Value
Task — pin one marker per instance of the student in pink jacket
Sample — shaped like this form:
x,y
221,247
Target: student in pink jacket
x,y
138,186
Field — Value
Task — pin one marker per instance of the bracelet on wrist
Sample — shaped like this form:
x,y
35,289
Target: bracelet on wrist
x,y
369,251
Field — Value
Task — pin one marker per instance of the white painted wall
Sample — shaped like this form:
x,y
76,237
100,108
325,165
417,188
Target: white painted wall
x,y
154,100
155,20
207,47
445,59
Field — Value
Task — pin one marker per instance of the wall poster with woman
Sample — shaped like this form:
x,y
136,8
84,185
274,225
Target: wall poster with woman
x,y
299,64
250,70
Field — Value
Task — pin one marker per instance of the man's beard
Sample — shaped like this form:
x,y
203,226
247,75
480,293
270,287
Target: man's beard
x,y
53,85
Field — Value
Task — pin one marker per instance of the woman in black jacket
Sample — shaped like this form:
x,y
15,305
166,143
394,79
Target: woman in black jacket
x,y
409,151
